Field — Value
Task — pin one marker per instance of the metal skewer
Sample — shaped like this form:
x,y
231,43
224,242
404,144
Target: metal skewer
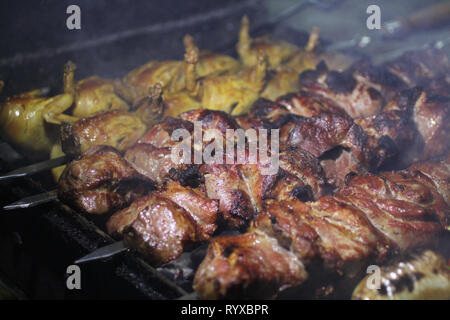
x,y
34,168
33,201
104,252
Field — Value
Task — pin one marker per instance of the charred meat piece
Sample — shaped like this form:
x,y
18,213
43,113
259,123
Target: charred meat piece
x,y
404,207
370,218
101,181
337,233
210,119
432,118
242,187
161,224
264,114
302,168
339,165
152,162
308,104
202,209
224,183
379,78
416,68
353,96
118,129
317,134
160,135
156,227
439,173
252,265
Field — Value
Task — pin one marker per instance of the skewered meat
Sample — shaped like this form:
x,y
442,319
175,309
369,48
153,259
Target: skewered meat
x,y
308,104
202,209
317,134
355,97
161,224
101,181
432,117
156,227
365,143
368,219
416,68
438,172
152,162
241,188
92,95
418,276
378,77
262,266
119,129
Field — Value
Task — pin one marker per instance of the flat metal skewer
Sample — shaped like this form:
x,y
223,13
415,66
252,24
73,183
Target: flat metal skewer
x,y
34,168
104,252
33,201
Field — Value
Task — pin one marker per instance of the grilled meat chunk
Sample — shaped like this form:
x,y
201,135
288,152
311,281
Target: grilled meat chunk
x,y
308,104
317,134
162,223
417,67
432,118
252,265
156,227
439,173
337,233
160,135
405,207
241,188
202,209
119,129
370,218
152,162
355,97
101,181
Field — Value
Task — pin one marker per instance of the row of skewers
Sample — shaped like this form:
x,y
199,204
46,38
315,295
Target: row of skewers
x,y
338,124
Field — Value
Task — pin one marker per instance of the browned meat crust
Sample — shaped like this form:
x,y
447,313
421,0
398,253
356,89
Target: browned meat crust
x,y
161,224
101,181
156,227
369,218
355,97
249,265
